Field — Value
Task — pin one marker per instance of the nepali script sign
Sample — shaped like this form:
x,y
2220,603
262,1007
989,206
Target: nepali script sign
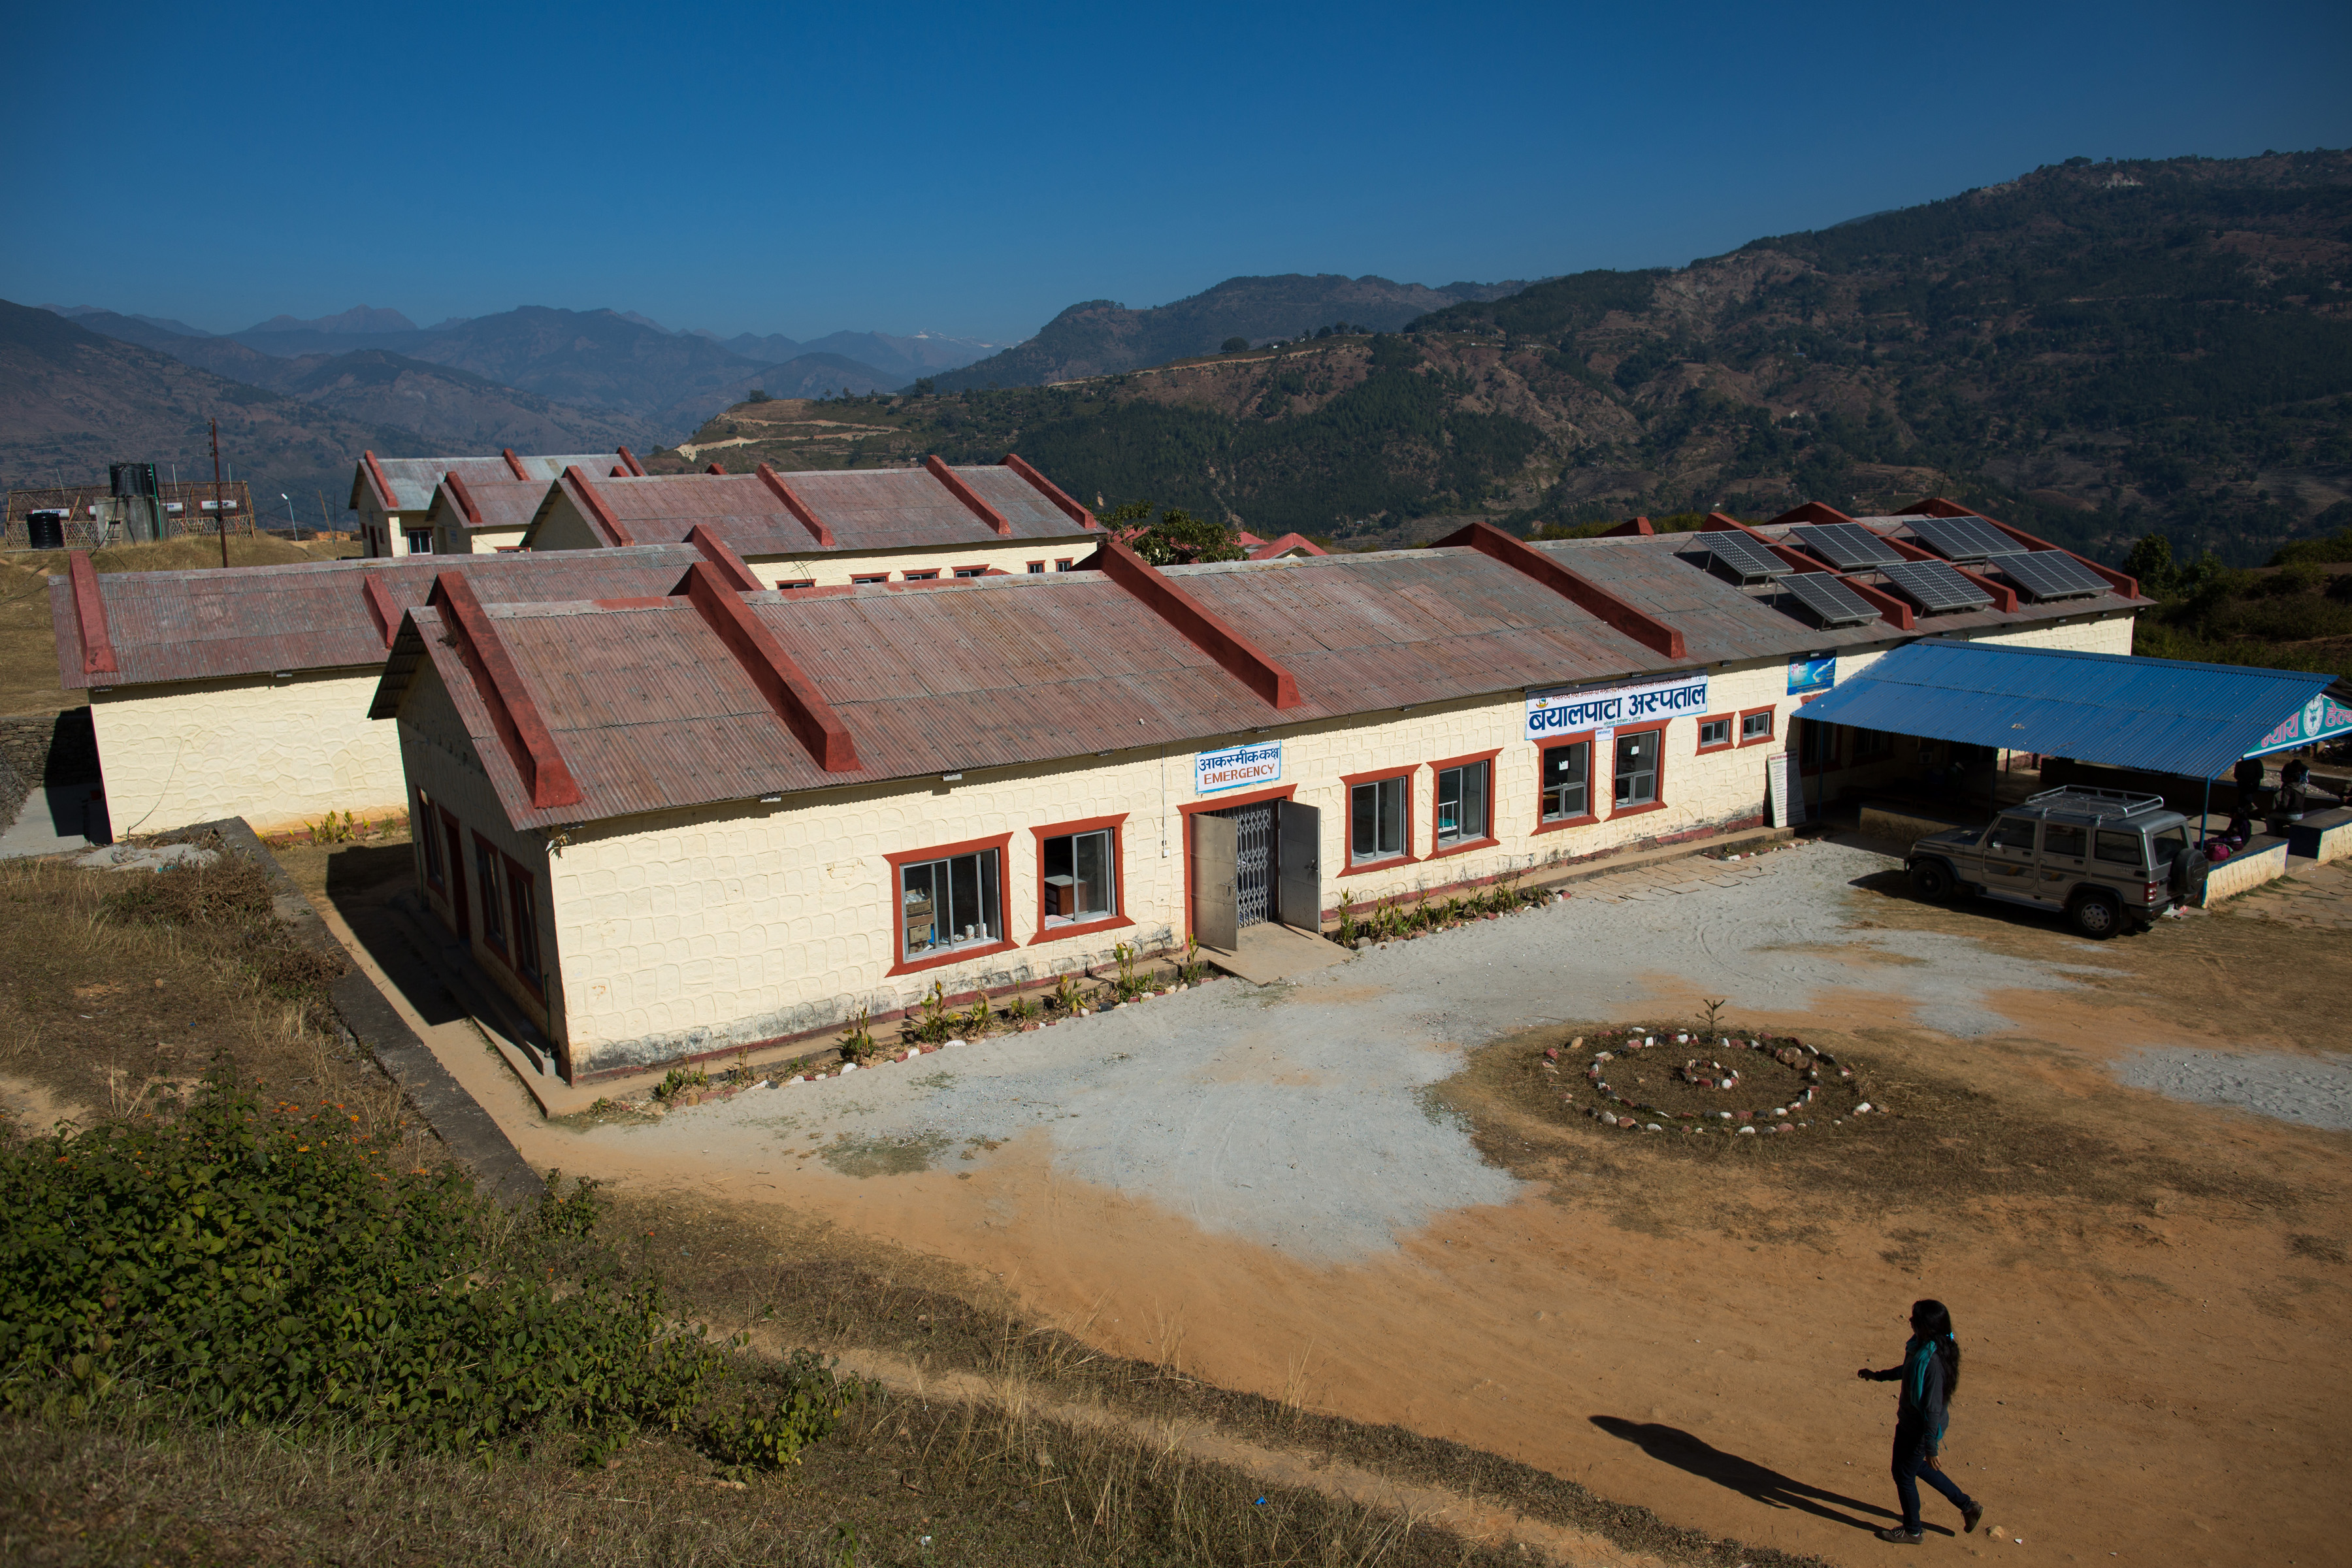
x,y
1568,709
1236,767
2316,719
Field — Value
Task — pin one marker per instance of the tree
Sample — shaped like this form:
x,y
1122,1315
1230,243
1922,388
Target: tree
x,y
757,396
923,387
1178,539
1233,346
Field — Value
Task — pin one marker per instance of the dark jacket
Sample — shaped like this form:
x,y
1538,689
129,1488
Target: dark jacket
x,y
1920,1406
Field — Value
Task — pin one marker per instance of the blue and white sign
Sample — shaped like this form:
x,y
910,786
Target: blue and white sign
x,y
2322,717
1565,710
1810,673
1237,767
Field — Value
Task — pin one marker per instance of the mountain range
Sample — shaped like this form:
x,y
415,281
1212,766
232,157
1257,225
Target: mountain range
x,y
2093,351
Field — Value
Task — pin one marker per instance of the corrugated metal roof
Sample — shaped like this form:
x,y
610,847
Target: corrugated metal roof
x,y
412,479
865,509
201,625
2158,714
505,503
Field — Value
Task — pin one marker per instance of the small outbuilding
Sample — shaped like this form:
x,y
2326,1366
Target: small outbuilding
x,y
395,499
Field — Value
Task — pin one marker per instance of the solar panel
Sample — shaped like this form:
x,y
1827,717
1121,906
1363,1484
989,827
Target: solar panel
x,y
1743,559
1932,585
1848,546
2051,575
1964,537
1832,602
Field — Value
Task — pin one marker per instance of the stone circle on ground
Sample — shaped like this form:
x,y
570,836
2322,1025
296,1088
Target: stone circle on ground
x,y
1628,1106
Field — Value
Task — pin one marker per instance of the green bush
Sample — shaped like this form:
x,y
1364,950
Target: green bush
x,y
770,1438
264,1265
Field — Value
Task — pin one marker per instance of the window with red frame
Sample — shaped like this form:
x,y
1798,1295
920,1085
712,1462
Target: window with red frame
x,y
953,902
1637,769
1463,794
1376,819
1081,878
920,576
1568,782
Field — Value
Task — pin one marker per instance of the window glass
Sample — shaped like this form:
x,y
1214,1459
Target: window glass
x,y
420,542
1637,769
1080,881
1036,568
855,580
1756,726
523,921
428,841
1566,774
1814,743
921,576
2057,839
1062,565
1376,820
2167,844
486,872
2012,833
1714,732
1870,744
950,903
2119,849
1462,803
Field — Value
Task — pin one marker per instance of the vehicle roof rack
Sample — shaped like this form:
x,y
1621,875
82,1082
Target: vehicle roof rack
x,y
2098,804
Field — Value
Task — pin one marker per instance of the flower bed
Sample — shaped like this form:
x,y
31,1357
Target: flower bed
x,y
1785,1083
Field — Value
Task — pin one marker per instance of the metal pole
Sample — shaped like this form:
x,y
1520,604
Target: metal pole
x,y
2203,811
219,517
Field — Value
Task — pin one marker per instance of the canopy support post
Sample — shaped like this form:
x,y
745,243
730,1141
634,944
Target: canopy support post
x,y
2203,811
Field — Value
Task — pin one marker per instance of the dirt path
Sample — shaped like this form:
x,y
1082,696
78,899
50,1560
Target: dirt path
x,y
1319,1190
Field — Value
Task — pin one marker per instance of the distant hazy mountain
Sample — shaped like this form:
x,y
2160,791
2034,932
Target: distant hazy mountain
x,y
925,354
819,375
358,319
75,312
72,401
1103,337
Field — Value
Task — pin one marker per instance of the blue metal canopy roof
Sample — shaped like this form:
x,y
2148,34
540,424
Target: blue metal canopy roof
x,y
2158,714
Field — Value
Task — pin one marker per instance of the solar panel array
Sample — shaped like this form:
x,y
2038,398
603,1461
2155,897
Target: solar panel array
x,y
1832,601
1743,558
1933,586
1848,546
2051,574
1964,537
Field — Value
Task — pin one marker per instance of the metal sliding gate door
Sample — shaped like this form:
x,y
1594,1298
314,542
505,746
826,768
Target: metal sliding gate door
x,y
1253,861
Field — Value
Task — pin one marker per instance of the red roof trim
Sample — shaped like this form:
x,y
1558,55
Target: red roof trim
x,y
513,713
1050,490
964,493
594,505
1583,592
376,477
1638,527
382,608
729,565
1812,512
1936,506
1275,549
89,611
787,688
514,463
715,469
629,461
796,506
465,499
1242,658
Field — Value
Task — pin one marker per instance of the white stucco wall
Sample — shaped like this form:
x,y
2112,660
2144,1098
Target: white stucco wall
x,y
277,752
827,567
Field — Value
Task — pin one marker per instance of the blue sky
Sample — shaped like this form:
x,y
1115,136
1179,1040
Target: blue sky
x,y
974,169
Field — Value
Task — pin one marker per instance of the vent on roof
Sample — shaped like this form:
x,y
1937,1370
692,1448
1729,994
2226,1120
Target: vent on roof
x,y
1932,585
1828,602
1741,558
2051,574
1848,546
1963,538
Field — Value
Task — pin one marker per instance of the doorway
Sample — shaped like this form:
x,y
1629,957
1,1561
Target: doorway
x,y
1253,864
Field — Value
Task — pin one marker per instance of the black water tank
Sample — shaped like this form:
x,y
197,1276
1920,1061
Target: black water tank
x,y
46,530
132,479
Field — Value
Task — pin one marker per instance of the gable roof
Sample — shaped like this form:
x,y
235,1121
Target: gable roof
x,y
407,484
767,513
462,503
135,629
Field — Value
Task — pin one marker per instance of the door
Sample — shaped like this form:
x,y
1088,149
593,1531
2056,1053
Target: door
x,y
2066,861
2009,858
1254,863
1298,896
1215,908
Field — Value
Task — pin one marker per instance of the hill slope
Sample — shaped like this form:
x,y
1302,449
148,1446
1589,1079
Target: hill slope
x,y
1103,338
73,401
2095,352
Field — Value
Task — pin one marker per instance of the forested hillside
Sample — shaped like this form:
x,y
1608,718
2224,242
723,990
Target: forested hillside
x,y
2093,351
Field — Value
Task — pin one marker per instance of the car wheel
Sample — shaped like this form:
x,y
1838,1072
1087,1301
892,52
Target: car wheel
x,y
1932,880
2096,915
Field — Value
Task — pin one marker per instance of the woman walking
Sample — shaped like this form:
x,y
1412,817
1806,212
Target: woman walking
x,y
1930,1373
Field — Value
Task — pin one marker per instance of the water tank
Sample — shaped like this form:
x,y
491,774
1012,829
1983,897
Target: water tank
x,y
128,480
46,530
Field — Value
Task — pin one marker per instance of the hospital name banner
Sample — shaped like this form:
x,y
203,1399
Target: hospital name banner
x,y
2317,720
1236,767
1568,709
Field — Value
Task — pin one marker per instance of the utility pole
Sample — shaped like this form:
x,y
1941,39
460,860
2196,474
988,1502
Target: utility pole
x,y
219,516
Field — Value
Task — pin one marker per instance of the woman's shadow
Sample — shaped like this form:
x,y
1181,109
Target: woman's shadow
x,y
1677,1447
